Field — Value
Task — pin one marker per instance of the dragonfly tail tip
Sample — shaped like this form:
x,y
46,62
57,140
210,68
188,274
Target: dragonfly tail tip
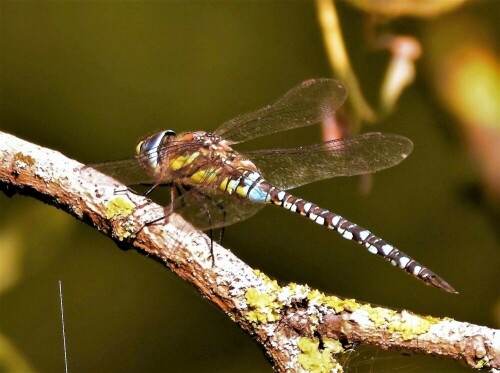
x,y
441,284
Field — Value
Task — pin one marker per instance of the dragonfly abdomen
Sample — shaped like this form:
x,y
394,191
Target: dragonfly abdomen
x,y
354,232
248,184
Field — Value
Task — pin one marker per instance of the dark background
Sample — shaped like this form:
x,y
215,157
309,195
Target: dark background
x,y
90,79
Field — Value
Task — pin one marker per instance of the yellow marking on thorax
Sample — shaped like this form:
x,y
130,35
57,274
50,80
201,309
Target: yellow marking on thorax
x,y
182,161
207,175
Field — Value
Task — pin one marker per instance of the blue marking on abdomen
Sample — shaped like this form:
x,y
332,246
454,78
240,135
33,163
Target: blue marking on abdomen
x,y
257,194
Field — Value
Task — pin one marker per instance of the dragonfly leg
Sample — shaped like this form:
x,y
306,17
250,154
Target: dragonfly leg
x,y
210,234
220,206
166,212
150,223
221,235
209,219
147,192
204,201
125,190
128,189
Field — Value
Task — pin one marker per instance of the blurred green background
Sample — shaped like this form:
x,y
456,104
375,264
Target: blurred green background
x,y
91,78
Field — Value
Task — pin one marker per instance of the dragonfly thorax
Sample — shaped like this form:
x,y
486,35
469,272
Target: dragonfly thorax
x,y
191,158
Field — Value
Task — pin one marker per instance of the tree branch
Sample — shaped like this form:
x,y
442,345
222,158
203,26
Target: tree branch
x,y
299,328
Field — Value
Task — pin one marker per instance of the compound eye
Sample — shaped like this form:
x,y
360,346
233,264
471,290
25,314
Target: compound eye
x,y
138,147
152,142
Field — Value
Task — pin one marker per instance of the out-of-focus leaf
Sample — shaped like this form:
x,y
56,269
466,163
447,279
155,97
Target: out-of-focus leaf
x,y
10,259
466,74
11,360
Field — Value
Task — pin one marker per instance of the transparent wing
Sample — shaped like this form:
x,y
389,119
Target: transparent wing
x,y
310,102
132,172
208,210
290,168
127,171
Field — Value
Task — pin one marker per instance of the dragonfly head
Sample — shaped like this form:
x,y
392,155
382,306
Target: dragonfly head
x,y
152,142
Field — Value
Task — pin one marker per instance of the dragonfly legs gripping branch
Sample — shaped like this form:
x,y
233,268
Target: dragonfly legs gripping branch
x,y
176,192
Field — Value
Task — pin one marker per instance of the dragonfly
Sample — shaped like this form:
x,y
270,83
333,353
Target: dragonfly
x,y
218,186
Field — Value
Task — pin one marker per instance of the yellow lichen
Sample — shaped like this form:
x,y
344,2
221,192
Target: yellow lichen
x,y
123,232
339,304
300,290
336,303
379,315
435,320
409,325
315,297
296,288
315,360
273,284
332,345
480,364
119,207
263,304
262,307
350,305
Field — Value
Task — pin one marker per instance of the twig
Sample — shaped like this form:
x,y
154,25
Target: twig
x,y
339,59
299,328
